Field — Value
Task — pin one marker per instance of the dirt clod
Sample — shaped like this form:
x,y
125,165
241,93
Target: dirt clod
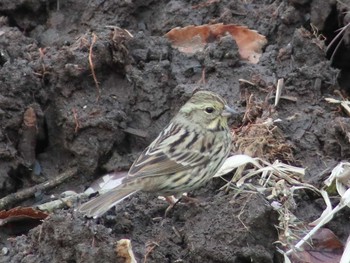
x,y
100,95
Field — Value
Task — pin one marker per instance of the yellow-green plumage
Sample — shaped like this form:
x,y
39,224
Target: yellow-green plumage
x,y
184,156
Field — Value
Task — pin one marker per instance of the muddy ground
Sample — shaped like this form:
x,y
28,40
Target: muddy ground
x,y
44,67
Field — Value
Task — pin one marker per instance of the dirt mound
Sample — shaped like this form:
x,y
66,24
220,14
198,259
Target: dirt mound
x,y
97,95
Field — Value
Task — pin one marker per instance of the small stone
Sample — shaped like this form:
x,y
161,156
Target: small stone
x,y
4,251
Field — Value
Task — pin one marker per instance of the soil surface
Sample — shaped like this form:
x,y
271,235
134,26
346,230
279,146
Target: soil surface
x,y
54,117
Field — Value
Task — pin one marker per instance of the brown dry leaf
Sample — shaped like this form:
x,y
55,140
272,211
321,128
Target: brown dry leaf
x,y
20,214
325,248
191,39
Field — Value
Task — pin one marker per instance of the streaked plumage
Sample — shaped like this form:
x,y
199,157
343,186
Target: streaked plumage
x,y
184,156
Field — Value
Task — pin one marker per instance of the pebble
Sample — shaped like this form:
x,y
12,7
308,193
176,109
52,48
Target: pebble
x,y
4,251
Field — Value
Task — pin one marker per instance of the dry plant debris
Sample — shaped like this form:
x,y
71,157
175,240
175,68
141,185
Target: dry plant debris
x,y
254,109
272,176
263,139
345,104
192,39
259,136
278,182
279,88
346,253
124,250
340,175
119,37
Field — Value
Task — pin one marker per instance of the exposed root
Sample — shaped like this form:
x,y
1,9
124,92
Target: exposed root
x,y
150,247
94,38
76,120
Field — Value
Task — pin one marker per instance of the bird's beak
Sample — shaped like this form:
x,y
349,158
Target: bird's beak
x,y
228,112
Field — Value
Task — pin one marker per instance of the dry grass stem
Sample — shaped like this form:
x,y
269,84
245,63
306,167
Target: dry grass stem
x,y
94,38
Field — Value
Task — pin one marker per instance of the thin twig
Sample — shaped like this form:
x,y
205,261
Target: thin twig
x,y
24,194
61,202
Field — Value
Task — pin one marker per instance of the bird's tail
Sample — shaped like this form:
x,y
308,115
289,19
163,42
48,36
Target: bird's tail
x,y
101,204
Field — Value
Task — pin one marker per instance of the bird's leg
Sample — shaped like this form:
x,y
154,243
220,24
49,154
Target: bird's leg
x,y
191,200
172,200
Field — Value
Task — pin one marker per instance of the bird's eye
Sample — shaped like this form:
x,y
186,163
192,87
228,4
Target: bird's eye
x,y
209,109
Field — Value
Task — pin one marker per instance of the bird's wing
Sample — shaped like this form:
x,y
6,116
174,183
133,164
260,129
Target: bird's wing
x,y
164,156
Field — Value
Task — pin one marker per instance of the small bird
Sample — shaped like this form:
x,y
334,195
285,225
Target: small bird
x,y
184,156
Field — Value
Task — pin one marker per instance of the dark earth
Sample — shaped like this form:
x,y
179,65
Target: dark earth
x,y
44,67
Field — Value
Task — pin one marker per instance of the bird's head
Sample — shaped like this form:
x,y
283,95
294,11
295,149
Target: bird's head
x,y
208,110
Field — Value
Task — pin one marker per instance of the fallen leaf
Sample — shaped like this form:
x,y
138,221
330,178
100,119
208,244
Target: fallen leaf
x,y
325,247
192,39
20,213
20,220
